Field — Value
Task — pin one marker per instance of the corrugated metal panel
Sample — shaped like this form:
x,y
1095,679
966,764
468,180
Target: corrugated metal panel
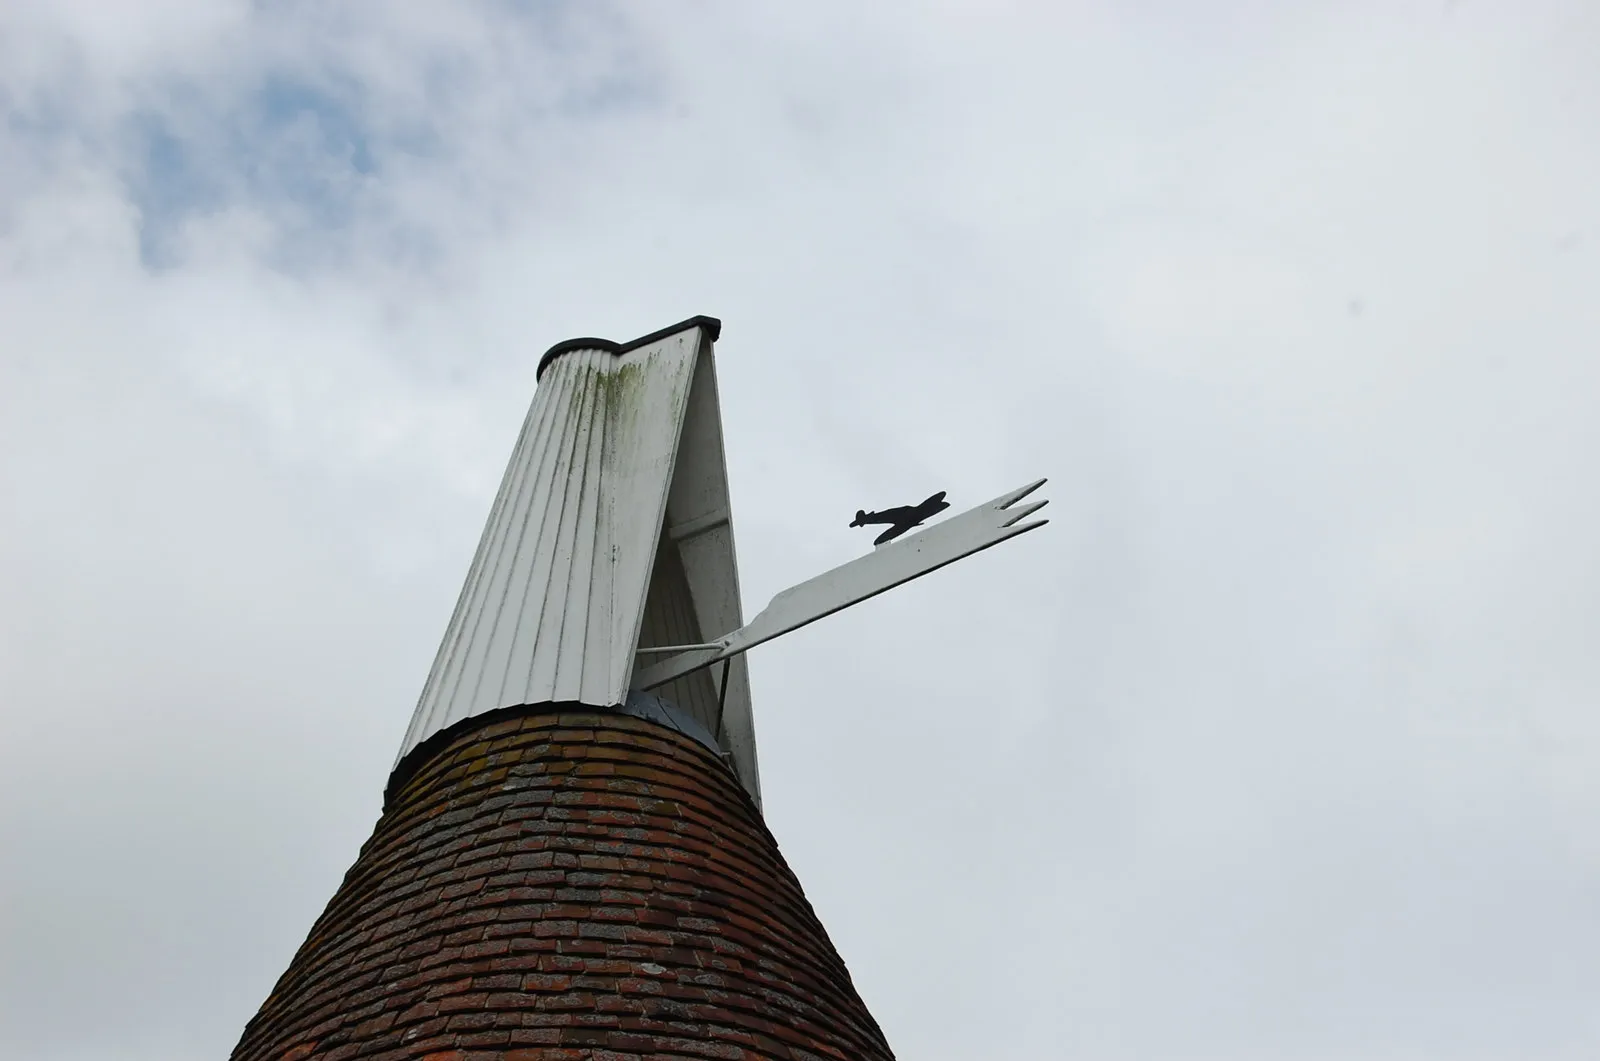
x,y
554,600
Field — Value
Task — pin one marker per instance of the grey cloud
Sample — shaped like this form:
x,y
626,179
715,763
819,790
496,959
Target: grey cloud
x,y
1278,742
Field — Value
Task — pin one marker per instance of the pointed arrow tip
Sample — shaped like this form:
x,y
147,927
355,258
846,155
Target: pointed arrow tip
x,y
1017,495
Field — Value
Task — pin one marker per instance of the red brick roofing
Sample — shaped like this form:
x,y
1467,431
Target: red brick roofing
x,y
567,885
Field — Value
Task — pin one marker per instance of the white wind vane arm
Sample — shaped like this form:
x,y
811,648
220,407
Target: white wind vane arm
x,y
864,577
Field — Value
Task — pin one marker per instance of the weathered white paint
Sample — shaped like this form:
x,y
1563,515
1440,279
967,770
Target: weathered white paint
x,y
867,576
573,573
610,544
700,532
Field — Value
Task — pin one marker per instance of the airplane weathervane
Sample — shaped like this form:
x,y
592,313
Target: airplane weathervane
x,y
901,519
886,567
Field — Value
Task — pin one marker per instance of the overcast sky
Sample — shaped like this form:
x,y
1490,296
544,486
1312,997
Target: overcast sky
x,y
1279,742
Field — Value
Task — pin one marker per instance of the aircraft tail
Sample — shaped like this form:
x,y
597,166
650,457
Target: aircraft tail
x,y
861,517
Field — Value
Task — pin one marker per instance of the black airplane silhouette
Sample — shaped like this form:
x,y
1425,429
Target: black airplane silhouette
x,y
901,519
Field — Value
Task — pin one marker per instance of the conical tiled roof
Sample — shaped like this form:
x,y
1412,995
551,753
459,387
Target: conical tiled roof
x,y
566,883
